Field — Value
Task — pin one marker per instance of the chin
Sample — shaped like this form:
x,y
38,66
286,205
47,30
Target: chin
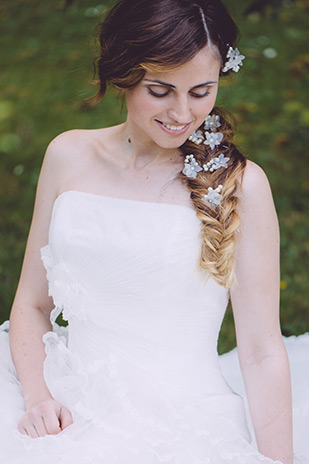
x,y
169,144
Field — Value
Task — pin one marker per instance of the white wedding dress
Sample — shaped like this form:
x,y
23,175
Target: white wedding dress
x,y
138,365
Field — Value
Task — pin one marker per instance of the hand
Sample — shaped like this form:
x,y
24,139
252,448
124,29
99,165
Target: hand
x,y
47,418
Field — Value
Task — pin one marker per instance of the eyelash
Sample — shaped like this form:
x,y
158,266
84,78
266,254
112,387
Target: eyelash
x,y
159,95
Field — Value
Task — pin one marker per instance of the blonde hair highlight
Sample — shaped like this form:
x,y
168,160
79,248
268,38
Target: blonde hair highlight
x,y
219,225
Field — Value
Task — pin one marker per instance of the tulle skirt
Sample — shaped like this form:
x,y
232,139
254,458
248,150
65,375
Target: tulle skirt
x,y
108,429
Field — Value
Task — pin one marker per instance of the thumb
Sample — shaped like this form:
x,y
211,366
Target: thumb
x,y
65,418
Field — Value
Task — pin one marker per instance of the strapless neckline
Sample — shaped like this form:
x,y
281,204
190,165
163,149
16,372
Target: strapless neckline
x,y
123,200
137,365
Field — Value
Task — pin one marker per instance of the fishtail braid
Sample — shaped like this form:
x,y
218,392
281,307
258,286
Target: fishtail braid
x,y
220,224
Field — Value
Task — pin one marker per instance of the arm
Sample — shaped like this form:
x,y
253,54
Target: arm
x,y
255,301
30,313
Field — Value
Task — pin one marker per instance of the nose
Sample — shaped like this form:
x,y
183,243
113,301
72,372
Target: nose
x,y
180,111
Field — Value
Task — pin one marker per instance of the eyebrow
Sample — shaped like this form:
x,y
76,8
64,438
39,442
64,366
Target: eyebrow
x,y
166,84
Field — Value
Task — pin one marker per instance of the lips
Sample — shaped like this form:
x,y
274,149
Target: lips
x,y
173,128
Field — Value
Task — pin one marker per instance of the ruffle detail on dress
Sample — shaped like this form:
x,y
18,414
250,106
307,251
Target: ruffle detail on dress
x,y
68,294
5,326
118,437
115,429
7,366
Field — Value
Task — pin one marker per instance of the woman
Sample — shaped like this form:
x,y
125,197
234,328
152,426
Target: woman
x,y
151,225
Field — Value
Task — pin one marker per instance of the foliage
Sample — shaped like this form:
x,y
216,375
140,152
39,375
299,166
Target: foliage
x,y
47,50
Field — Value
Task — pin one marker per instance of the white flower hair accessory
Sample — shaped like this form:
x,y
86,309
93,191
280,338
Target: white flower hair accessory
x,y
216,163
212,123
234,60
213,139
191,167
196,137
213,196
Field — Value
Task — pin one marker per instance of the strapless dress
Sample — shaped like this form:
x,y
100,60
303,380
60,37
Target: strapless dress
x,y
137,364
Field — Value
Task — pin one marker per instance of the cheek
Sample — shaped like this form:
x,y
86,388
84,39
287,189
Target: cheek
x,y
208,105
141,103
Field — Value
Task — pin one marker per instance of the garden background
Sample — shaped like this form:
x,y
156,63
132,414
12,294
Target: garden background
x,y
46,62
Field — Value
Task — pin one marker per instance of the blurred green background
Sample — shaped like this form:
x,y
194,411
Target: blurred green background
x,y
46,63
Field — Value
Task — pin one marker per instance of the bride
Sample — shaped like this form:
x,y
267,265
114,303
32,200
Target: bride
x,y
145,230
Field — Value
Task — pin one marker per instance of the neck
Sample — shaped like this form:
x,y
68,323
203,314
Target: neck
x,y
140,150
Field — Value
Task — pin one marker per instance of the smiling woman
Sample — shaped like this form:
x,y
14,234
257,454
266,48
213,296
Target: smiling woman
x,y
170,80
144,231
174,102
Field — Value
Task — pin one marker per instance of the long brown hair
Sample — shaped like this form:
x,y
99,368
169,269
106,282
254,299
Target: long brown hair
x,y
138,35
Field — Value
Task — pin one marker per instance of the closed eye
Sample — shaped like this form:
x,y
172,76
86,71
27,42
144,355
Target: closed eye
x,y
200,95
159,94
167,92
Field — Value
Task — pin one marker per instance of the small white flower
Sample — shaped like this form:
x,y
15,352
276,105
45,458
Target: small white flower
x,y
235,60
191,167
213,196
213,139
220,161
216,163
196,137
212,122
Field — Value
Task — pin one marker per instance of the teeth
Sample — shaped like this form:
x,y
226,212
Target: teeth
x,y
174,128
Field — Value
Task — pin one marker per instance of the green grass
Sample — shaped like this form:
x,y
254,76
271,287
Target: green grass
x,y
46,56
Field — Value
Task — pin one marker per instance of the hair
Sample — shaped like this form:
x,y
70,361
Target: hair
x,y
161,35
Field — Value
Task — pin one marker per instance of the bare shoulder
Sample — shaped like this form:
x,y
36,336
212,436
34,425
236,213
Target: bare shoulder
x,y
254,181
256,205
255,191
70,145
72,155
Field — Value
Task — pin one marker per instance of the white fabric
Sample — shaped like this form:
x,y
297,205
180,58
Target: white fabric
x,y
138,366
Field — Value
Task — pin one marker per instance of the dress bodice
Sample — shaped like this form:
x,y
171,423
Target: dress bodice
x,y
126,275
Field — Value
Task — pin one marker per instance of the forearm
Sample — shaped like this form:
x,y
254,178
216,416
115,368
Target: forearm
x,y
268,389
27,326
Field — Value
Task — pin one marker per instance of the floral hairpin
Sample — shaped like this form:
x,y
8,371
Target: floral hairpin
x,y
196,137
212,139
234,61
216,163
213,196
212,122
191,167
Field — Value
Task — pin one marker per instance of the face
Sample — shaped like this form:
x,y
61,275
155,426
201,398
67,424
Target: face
x,y
165,107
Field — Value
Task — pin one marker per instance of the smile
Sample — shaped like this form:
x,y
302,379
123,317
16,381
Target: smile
x,y
172,129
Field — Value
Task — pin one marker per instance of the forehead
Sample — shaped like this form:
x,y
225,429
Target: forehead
x,y
203,67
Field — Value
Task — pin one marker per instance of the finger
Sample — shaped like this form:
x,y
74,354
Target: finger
x,y
66,418
22,430
52,423
31,431
39,425
21,427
